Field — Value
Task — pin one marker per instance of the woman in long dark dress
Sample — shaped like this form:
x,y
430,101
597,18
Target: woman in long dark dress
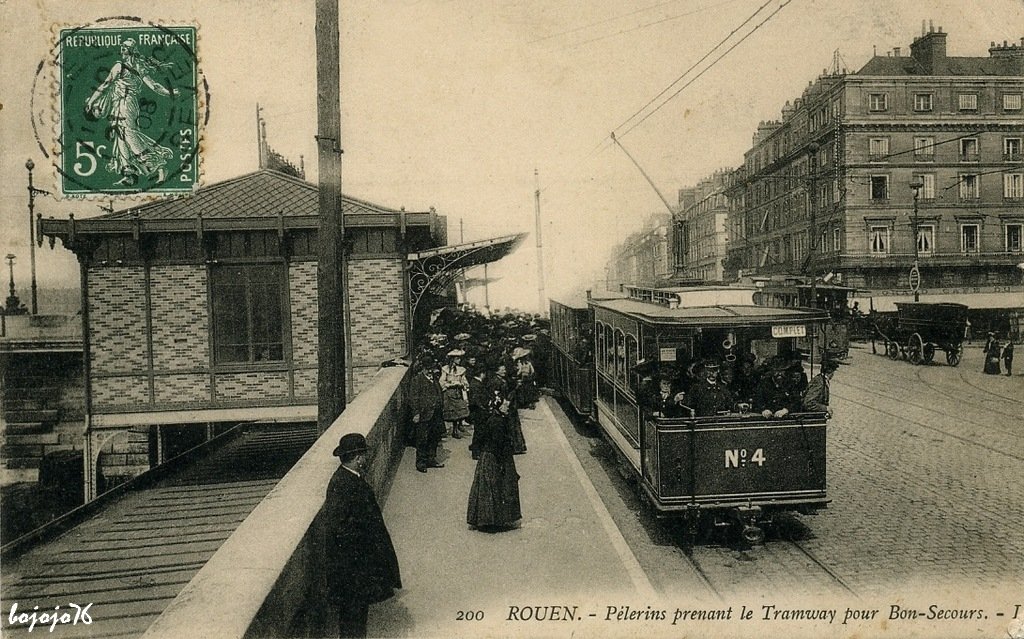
x,y
507,388
992,351
494,495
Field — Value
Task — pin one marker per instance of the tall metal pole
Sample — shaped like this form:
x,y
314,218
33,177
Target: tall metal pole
x,y
541,298
331,324
812,150
32,192
916,185
487,293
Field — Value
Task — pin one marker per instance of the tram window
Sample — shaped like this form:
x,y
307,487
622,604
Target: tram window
x,y
631,360
609,351
248,324
620,357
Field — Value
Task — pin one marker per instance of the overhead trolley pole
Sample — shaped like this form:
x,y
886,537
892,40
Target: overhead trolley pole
x,y
541,298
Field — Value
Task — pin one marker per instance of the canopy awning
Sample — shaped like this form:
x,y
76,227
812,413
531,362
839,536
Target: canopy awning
x,y
434,269
1013,299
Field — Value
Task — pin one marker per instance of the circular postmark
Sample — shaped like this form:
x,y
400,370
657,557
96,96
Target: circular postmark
x,y
128,104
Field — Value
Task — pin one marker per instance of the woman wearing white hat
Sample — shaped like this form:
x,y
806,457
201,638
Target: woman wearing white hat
x,y
454,386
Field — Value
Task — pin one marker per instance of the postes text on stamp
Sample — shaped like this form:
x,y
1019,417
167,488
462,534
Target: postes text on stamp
x,y
128,110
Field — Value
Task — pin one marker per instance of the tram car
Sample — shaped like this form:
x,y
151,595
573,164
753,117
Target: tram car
x,y
918,329
572,355
832,335
732,468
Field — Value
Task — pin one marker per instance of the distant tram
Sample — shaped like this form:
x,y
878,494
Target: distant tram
x,y
733,468
832,335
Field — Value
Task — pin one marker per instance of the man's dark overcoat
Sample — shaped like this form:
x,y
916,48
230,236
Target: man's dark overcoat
x,y
361,562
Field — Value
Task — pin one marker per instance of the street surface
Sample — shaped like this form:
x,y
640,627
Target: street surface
x,y
925,468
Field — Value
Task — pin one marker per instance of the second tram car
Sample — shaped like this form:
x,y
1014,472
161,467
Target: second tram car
x,y
732,467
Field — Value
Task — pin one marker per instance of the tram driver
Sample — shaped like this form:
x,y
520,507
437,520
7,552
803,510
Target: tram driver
x,y
709,396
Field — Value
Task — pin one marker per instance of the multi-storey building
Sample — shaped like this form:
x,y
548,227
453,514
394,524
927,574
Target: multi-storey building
x,y
828,187
700,229
644,258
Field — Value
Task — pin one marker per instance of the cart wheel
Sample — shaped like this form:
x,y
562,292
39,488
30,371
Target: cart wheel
x,y
928,354
892,350
953,355
915,349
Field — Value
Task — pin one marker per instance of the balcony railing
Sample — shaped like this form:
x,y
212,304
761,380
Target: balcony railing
x,y
969,157
1014,156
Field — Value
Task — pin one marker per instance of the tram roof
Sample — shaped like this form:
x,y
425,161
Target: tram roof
x,y
717,315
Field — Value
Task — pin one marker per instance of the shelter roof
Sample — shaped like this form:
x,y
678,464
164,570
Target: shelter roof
x,y
718,315
263,193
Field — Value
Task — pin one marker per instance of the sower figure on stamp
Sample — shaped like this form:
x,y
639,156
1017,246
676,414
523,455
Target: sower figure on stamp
x,y
425,407
361,564
133,154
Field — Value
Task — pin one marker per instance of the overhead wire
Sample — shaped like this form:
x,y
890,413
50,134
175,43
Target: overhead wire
x,y
600,22
693,66
706,69
651,24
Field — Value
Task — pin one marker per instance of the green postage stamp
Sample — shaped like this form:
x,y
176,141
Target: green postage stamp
x,y
129,110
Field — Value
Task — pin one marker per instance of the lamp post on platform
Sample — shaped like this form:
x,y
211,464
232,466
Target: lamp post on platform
x,y
916,184
32,193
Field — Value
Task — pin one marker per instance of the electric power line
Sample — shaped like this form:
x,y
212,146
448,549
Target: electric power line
x,y
600,22
693,66
706,69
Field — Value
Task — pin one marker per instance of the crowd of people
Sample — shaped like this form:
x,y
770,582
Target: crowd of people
x,y
472,373
777,387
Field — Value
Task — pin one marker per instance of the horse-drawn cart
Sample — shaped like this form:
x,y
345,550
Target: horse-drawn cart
x,y
918,329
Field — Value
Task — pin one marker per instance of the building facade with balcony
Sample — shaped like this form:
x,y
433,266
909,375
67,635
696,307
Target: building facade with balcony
x,y
827,188
701,236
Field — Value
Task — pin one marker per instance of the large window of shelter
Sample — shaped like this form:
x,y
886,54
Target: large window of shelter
x,y
248,313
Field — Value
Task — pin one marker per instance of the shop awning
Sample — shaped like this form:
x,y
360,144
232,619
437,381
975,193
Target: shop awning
x,y
434,269
987,300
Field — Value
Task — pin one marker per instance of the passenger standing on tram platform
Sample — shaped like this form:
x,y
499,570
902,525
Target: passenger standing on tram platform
x,y
506,387
360,562
1008,357
454,388
816,397
425,407
773,397
478,400
494,496
709,396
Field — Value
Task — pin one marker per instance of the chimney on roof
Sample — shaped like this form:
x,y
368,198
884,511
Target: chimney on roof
x,y
1007,50
929,51
896,52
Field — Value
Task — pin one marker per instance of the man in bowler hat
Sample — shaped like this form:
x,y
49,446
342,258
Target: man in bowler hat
x,y
425,407
361,564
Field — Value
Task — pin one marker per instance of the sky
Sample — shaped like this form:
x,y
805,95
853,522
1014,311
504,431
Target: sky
x,y
455,104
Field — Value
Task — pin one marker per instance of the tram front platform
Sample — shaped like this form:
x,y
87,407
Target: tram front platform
x,y
266,580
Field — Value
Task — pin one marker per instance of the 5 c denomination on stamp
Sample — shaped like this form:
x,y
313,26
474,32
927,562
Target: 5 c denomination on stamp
x,y
129,110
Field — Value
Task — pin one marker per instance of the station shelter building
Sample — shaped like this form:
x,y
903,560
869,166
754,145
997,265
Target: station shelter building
x,y
201,312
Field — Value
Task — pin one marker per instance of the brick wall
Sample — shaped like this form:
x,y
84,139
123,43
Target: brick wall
x,y
302,291
378,310
117,319
182,389
179,317
129,391
305,383
254,386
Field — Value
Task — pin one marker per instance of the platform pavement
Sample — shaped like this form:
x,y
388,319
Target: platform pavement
x,y
566,552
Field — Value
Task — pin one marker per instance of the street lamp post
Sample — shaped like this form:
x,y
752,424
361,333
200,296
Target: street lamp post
x,y
916,184
32,193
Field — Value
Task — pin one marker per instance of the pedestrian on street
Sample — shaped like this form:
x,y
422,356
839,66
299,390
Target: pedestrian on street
x,y
1008,358
494,495
992,352
361,564
425,407
478,401
507,388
